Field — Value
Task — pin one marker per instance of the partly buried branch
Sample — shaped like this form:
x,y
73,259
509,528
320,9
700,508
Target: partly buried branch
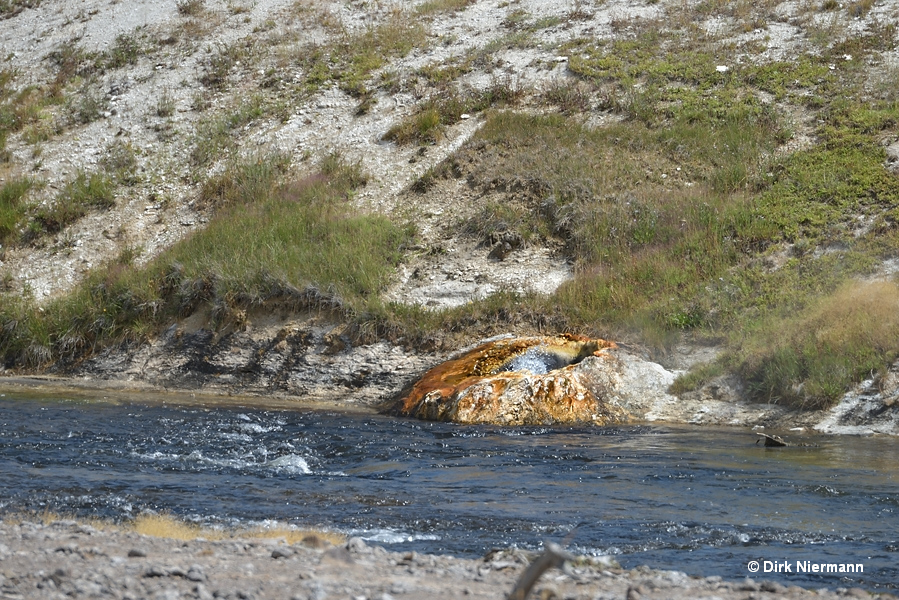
x,y
553,556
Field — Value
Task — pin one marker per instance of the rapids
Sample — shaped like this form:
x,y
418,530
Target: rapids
x,y
700,500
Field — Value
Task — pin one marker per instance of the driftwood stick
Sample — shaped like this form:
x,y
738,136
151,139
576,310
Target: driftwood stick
x,y
553,556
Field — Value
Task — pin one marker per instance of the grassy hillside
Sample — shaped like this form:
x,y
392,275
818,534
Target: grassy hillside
x,y
702,187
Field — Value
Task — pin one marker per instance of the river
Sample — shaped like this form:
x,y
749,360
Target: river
x,y
700,500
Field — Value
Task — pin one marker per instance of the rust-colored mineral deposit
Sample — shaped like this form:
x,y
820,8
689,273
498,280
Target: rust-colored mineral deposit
x,y
520,381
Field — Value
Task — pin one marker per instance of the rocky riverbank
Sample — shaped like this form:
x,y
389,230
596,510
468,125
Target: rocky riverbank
x,y
68,559
308,359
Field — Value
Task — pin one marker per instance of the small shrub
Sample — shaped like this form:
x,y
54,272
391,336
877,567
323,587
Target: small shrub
x,y
87,105
70,61
165,106
219,65
570,96
120,162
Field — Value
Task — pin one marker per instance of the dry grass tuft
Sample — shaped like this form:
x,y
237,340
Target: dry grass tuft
x,y
812,359
169,527
294,536
166,526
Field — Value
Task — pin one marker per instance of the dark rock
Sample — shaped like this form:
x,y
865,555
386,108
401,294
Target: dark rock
x,y
282,553
500,251
136,553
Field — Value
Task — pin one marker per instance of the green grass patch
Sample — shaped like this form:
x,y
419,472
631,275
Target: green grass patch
x,y
696,377
298,241
126,50
350,59
446,107
13,208
21,109
84,193
217,133
10,8
433,7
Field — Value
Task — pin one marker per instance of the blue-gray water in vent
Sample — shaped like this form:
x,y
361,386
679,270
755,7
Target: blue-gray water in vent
x,y
536,360
700,500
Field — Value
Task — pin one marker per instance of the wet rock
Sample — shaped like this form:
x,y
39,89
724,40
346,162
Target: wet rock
x,y
520,381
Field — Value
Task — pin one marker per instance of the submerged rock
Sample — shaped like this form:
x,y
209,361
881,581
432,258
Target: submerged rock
x,y
521,381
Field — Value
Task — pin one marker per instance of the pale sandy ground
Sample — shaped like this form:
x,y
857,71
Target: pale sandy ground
x,y
67,559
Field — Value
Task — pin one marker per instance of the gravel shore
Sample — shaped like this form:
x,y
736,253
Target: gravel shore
x,y
68,559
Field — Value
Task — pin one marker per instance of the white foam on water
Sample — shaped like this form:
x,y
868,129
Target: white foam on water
x,y
290,463
391,536
255,428
237,437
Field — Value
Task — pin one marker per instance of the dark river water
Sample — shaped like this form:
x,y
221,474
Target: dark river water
x,y
700,500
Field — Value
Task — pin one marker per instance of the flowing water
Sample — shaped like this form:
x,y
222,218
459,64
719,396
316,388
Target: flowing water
x,y
700,500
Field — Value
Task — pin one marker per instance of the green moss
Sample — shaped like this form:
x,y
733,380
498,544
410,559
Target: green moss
x,y
841,177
